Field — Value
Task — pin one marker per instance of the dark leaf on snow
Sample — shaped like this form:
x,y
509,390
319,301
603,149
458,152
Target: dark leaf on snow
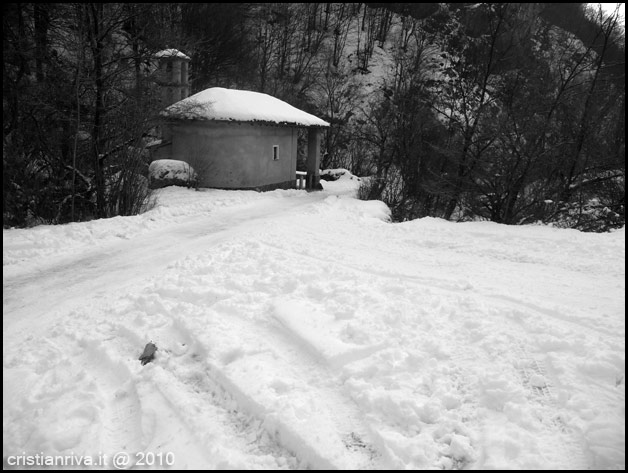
x,y
148,354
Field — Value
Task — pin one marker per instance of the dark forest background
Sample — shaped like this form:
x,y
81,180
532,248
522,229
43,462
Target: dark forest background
x,y
513,113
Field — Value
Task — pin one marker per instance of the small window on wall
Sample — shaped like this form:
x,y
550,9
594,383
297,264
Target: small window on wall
x,y
275,152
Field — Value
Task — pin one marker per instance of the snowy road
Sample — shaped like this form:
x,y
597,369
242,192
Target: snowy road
x,y
119,264
302,330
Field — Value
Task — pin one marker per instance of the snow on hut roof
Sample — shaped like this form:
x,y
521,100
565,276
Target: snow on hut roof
x,y
220,104
171,53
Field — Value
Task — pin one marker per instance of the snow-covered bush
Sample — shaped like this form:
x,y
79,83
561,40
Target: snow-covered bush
x,y
171,172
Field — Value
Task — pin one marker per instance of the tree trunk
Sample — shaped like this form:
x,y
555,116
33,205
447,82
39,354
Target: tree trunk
x,y
96,16
41,25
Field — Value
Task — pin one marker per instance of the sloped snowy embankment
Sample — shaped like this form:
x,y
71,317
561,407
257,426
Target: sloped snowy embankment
x,y
303,330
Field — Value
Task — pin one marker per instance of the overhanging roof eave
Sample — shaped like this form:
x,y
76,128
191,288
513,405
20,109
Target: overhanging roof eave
x,y
240,122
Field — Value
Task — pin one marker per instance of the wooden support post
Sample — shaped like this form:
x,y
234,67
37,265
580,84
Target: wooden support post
x,y
313,158
301,176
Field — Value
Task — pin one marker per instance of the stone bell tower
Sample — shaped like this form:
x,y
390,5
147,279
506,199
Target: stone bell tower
x,y
172,76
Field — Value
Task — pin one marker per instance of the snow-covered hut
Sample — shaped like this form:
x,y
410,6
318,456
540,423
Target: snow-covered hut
x,y
238,139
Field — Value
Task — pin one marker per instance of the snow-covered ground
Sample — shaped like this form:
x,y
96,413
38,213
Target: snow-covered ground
x,y
304,330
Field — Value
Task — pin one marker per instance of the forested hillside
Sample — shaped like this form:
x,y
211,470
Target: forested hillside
x,y
507,112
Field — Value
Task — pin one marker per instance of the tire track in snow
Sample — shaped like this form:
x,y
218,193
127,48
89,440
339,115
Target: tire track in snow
x,y
563,445
463,356
349,421
560,444
122,422
156,408
463,360
276,363
121,415
579,323
339,420
128,421
187,385
450,286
